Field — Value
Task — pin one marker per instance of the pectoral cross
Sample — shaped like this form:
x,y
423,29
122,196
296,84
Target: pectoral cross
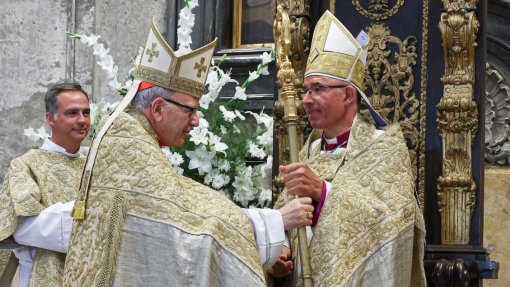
x,y
200,67
152,52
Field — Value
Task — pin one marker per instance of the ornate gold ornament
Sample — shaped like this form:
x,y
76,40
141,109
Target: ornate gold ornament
x,y
457,121
378,9
297,52
288,99
423,107
390,79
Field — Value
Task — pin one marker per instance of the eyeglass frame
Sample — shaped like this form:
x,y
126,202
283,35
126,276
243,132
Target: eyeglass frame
x,y
320,88
191,110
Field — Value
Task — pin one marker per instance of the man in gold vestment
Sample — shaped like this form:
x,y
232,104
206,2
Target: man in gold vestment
x,y
40,187
138,222
367,228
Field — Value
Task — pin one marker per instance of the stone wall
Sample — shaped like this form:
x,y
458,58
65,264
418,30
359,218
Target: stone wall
x,y
496,223
35,53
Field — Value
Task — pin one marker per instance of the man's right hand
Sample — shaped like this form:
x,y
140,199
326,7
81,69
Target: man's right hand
x,y
296,213
284,265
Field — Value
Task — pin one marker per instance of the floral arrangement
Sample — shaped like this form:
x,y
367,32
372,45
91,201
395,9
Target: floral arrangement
x,y
226,151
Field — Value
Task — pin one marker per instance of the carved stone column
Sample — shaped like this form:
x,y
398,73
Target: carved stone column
x,y
457,120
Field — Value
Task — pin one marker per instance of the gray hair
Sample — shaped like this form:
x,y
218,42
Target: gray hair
x,y
143,99
50,100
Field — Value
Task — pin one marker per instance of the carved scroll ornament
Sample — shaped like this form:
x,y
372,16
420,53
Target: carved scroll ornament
x,y
457,122
497,118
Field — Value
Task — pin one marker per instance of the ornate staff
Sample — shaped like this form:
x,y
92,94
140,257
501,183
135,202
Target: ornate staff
x,y
286,77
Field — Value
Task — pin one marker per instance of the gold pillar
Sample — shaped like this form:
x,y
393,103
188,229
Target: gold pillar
x,y
457,120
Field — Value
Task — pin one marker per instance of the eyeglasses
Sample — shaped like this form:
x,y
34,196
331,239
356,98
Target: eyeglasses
x,y
190,110
316,91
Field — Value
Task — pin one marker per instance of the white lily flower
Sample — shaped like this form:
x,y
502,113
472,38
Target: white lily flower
x,y
31,134
203,123
225,77
262,118
266,169
205,101
240,94
36,135
223,130
253,76
266,58
255,151
199,135
216,144
263,70
236,130
100,51
245,191
265,197
239,115
229,116
89,40
200,159
266,139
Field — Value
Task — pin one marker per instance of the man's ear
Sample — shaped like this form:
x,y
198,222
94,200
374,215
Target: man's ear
x,y
156,108
49,119
350,95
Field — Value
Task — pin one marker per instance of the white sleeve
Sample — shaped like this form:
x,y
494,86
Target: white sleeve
x,y
328,188
269,233
50,230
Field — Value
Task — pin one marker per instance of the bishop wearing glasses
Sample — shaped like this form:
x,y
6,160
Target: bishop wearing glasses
x,y
137,221
367,227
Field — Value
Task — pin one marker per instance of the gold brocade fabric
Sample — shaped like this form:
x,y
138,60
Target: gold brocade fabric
x,y
35,181
133,179
368,211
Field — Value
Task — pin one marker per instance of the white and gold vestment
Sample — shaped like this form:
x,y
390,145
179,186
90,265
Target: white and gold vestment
x,y
147,225
36,187
370,231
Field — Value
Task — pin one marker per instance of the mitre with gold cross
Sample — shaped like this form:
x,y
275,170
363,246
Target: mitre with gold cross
x,y
161,66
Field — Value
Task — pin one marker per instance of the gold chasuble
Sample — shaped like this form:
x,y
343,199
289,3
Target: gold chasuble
x,y
147,225
35,181
370,231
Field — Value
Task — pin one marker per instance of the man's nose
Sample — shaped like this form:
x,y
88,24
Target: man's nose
x,y
81,118
307,98
194,120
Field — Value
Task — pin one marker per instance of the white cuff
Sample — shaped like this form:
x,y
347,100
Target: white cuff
x,y
269,233
328,188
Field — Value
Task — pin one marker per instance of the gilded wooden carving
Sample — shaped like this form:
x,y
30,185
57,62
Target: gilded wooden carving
x,y
457,121
297,52
378,9
423,106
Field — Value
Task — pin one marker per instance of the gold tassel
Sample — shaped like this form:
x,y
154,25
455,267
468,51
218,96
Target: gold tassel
x,y
78,212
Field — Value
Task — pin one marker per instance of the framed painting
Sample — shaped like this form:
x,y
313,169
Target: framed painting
x,y
253,24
